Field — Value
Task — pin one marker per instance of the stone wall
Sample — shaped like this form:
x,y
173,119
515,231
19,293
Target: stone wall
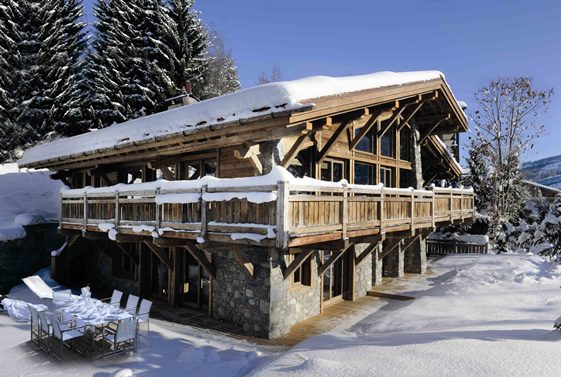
x,y
24,257
238,298
363,271
291,304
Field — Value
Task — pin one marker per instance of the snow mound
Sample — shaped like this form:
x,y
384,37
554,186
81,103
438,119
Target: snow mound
x,y
27,198
123,373
242,105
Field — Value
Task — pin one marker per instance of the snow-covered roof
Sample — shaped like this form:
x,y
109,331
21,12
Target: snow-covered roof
x,y
242,106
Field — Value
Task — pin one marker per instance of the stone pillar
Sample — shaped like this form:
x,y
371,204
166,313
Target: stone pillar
x,y
376,267
393,263
416,256
270,154
417,172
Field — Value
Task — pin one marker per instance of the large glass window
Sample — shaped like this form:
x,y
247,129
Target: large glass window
x,y
366,144
332,170
387,144
386,177
364,173
405,144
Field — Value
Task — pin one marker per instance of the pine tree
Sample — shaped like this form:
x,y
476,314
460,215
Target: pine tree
x,y
479,175
63,43
186,41
221,75
550,228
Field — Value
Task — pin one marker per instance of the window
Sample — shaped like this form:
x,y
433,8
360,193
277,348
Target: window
x,y
405,178
364,173
332,170
302,276
386,176
199,168
405,144
366,144
388,144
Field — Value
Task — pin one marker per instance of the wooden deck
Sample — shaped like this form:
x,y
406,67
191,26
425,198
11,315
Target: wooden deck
x,y
292,216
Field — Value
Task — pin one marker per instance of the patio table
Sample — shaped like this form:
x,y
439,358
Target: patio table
x,y
94,315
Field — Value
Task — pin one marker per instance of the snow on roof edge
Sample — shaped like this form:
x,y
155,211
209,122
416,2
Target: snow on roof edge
x,y
258,101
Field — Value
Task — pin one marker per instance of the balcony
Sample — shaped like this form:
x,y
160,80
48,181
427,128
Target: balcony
x,y
287,214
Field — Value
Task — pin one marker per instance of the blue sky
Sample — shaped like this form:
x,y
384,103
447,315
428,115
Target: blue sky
x,y
470,41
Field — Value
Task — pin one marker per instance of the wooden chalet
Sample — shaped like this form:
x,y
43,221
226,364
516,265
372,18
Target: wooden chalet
x,y
269,251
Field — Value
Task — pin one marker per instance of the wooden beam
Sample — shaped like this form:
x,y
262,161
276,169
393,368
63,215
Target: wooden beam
x,y
293,150
393,119
251,153
94,235
160,254
246,265
200,257
392,244
333,259
412,114
106,180
365,252
71,239
168,242
409,242
167,173
434,127
297,262
126,238
364,130
331,142
127,253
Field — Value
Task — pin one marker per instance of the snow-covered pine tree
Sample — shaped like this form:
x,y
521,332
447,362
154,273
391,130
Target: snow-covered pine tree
x,y
105,63
550,229
63,40
221,75
479,175
186,40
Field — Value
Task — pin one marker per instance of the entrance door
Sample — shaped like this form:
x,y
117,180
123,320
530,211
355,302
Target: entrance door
x,y
159,279
332,279
195,286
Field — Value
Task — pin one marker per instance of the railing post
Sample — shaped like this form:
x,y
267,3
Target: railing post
x,y
204,213
117,209
157,207
381,211
451,205
283,225
345,211
85,210
462,205
432,209
412,212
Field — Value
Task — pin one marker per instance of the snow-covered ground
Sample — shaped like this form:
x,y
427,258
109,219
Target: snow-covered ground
x,y
475,315
26,197
482,315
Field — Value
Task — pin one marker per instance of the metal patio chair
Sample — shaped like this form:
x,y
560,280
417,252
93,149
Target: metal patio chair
x,y
115,299
64,335
124,338
132,303
144,314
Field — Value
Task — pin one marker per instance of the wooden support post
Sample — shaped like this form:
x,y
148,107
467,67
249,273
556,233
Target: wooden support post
x,y
368,250
381,211
451,205
333,258
117,210
132,256
246,265
392,244
293,150
432,209
160,254
345,211
331,142
412,203
158,210
462,206
297,262
204,213
283,225
85,211
200,257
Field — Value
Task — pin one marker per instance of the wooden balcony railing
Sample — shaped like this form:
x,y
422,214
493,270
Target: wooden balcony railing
x,y
283,215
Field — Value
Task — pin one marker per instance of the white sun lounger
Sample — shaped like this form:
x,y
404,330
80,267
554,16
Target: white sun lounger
x,y
38,286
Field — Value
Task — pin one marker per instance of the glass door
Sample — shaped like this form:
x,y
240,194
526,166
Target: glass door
x,y
195,287
159,282
332,279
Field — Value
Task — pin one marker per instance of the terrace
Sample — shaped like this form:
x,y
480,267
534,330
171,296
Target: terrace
x,y
255,211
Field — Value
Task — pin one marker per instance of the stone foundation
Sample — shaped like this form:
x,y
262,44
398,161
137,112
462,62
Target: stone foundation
x,y
393,263
415,259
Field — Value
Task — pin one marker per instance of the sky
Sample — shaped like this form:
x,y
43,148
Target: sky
x,y
471,42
